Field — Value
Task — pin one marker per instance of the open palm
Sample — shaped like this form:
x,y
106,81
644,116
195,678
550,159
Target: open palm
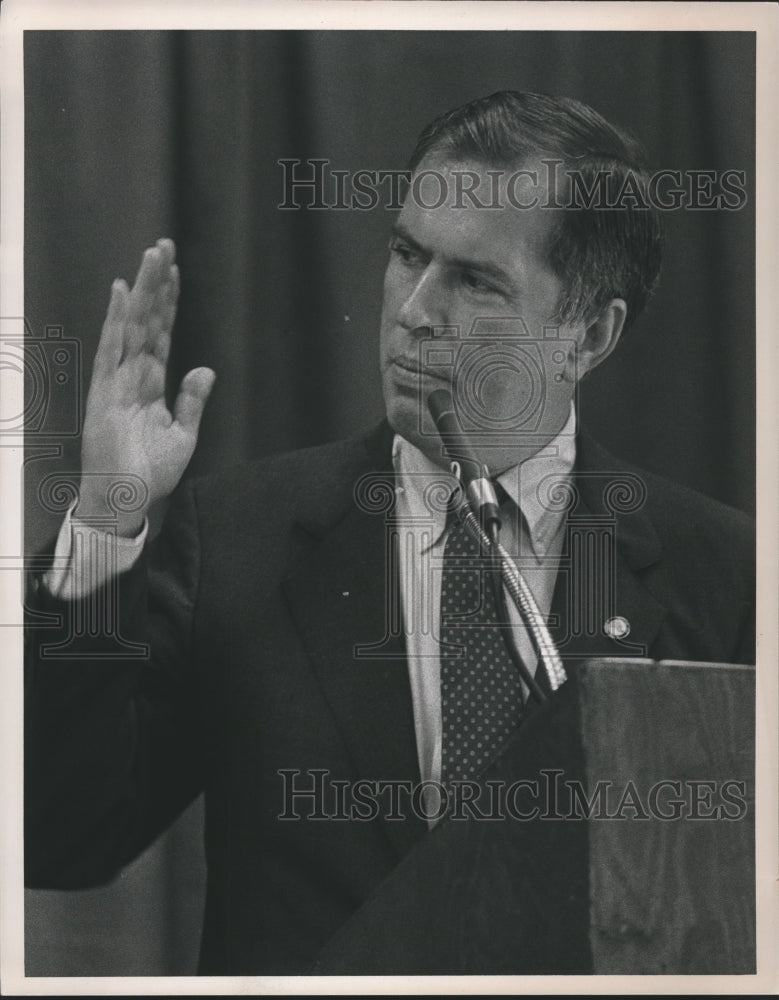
x,y
128,428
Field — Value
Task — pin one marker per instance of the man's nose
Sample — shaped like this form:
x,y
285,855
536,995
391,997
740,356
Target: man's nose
x,y
425,305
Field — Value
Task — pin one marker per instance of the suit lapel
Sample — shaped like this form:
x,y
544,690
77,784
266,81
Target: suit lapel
x,y
340,595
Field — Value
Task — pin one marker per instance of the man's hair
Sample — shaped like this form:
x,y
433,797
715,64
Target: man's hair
x,y
598,253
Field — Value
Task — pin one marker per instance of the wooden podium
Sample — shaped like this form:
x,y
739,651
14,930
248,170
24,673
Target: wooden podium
x,y
625,843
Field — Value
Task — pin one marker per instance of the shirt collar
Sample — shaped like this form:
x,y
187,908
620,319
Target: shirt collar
x,y
526,484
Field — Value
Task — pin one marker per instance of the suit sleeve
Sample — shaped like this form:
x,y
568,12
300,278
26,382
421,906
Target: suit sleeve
x,y
112,738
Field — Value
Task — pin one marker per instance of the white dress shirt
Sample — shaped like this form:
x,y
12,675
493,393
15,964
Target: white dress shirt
x,y
532,533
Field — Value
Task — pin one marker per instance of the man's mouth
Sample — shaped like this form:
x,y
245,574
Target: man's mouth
x,y
408,365
412,366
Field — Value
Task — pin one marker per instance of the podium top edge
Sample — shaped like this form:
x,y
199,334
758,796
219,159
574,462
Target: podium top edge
x,y
610,662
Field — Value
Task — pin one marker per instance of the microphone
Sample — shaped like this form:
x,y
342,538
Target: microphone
x,y
474,475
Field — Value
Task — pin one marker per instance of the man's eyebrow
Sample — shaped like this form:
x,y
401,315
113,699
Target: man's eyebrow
x,y
483,266
402,233
486,267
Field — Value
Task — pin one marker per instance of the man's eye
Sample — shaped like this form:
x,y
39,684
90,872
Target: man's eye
x,y
405,253
475,284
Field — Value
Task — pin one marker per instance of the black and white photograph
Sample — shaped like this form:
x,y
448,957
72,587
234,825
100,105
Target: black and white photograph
x,y
388,410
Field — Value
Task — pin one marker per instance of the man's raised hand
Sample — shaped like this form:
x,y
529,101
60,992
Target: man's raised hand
x,y
128,429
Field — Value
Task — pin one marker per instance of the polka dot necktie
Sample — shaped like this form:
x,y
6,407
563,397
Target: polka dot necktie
x,y
481,693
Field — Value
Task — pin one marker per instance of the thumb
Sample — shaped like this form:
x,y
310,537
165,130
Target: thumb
x,y
194,392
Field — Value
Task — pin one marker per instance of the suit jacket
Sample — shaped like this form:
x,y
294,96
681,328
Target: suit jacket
x,y
225,662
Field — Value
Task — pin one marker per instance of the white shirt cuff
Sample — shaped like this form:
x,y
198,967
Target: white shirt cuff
x,y
85,557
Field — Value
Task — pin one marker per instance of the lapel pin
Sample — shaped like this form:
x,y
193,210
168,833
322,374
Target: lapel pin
x,y
616,628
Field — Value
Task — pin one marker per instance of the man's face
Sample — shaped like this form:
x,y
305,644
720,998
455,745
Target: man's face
x,y
449,267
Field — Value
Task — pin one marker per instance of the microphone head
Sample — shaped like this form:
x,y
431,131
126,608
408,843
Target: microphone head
x,y
439,403
474,474
455,442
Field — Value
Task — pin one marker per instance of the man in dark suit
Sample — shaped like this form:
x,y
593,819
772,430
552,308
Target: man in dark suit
x,y
295,610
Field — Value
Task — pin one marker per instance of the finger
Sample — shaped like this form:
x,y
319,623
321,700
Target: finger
x,y
162,317
194,392
167,293
153,273
168,250
110,345
150,276
139,301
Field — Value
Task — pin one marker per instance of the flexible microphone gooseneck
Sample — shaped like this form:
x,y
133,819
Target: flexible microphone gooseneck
x,y
473,474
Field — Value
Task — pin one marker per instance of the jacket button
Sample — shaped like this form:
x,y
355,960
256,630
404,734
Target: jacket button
x,y
616,628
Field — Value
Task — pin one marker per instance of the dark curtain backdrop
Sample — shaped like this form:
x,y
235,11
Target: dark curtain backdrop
x,y
135,135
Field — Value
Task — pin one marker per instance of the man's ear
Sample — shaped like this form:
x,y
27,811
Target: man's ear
x,y
599,339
